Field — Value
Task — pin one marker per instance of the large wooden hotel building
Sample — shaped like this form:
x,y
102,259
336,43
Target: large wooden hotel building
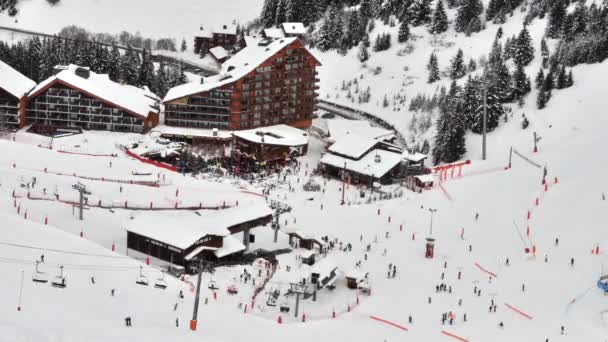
x,y
269,82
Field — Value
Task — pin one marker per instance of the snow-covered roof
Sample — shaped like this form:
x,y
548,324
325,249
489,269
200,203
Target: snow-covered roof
x,y
138,101
305,235
218,52
273,32
14,82
235,68
324,267
369,165
355,273
425,178
183,229
231,245
414,157
340,128
353,146
223,29
282,135
305,253
191,132
293,28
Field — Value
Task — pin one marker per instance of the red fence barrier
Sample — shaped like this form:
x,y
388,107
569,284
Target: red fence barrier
x,y
518,311
454,336
388,322
87,154
151,162
484,270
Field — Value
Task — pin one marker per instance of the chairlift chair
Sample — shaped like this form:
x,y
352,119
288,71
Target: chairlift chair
x,y
284,307
161,283
141,278
38,276
59,280
232,289
212,285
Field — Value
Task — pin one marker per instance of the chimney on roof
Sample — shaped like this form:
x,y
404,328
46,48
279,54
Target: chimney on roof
x,y
83,72
225,27
202,80
215,132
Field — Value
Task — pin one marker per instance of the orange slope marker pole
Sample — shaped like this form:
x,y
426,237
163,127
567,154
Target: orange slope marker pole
x,y
454,336
518,311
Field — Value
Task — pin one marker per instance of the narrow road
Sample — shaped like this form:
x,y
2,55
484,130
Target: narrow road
x,y
356,114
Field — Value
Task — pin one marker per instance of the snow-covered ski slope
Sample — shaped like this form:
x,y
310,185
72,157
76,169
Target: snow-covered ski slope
x,y
573,130
555,293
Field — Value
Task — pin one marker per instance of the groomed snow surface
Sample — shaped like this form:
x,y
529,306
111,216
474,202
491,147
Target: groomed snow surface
x,y
555,294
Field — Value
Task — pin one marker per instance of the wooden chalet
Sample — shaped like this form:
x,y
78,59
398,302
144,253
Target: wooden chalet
x,y
270,144
75,97
206,39
362,160
270,82
185,238
13,90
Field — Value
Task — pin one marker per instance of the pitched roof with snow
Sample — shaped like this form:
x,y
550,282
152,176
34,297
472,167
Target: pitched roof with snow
x,y
339,128
376,163
218,52
208,32
14,82
281,135
138,101
294,28
245,61
183,229
353,146
414,157
273,32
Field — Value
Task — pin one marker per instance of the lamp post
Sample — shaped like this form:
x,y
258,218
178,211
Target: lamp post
x,y
432,211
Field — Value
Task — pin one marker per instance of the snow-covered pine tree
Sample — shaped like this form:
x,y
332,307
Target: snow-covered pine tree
x,y
523,52
331,29
439,24
497,73
420,12
184,46
541,99
130,67
114,64
467,16
521,83
433,68
363,54
557,16
404,32
449,143
33,58
561,80
146,70
540,79
544,52
292,11
281,13
570,80
269,12
10,6
472,65
457,68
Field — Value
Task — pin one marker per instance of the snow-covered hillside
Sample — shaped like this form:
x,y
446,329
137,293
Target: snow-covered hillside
x,y
156,19
535,294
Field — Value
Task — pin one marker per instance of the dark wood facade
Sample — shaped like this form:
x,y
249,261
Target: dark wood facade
x,y
266,152
62,105
10,110
175,255
224,39
281,90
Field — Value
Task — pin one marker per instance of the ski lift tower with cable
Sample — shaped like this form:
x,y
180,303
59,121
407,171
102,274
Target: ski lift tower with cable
x,y
279,209
298,289
82,190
